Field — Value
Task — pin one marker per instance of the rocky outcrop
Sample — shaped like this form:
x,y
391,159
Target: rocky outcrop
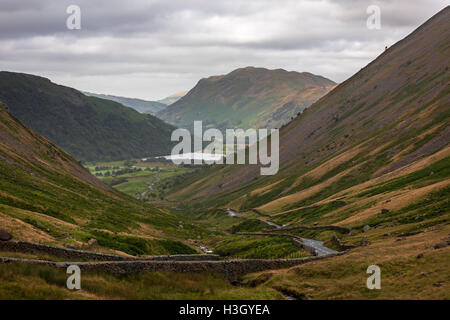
x,y
364,241
339,244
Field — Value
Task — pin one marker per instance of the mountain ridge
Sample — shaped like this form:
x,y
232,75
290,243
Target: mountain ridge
x,y
140,105
247,97
90,128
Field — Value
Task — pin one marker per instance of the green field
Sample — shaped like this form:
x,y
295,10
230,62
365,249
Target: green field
x,y
144,180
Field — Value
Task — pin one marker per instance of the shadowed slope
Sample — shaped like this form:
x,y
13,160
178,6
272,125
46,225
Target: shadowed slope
x,y
47,196
89,128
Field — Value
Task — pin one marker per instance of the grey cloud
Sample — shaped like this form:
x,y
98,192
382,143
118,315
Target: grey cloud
x,y
150,49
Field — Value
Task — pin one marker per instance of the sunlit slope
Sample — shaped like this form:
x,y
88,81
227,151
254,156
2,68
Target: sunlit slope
x,y
47,196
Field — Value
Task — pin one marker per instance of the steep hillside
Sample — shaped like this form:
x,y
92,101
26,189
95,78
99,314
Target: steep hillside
x,y
173,98
392,114
46,196
142,106
89,128
247,98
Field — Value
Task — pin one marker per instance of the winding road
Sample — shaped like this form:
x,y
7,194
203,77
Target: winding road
x,y
315,246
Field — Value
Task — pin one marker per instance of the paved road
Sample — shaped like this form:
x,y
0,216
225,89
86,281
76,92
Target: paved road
x,y
315,246
231,212
318,246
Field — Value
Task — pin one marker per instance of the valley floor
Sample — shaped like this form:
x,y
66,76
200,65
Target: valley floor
x,y
24,281
412,267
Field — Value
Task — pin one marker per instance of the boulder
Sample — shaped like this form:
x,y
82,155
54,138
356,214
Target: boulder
x,y
420,256
366,228
42,227
384,210
335,239
440,245
364,241
66,235
4,235
92,242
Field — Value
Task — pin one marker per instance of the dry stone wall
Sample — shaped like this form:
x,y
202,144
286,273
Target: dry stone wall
x,y
65,253
232,269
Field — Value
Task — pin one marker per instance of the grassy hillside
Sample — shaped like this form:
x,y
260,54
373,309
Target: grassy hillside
x,y
373,155
142,106
46,196
247,98
89,128
21,281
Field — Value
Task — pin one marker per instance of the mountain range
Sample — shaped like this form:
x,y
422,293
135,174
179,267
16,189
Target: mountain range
x,y
140,105
247,98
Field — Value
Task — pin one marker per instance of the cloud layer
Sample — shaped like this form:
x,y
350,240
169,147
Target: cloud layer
x,y
150,49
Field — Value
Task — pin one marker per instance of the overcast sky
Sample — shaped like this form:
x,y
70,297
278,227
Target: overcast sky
x,y
150,49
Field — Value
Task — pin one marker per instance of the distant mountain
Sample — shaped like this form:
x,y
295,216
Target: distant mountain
x,y
142,106
173,98
89,128
247,97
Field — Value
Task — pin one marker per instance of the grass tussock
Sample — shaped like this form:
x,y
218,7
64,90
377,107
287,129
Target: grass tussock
x,y
24,281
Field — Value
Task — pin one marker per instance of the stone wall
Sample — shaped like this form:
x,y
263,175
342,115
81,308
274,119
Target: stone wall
x,y
232,269
65,253
326,227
